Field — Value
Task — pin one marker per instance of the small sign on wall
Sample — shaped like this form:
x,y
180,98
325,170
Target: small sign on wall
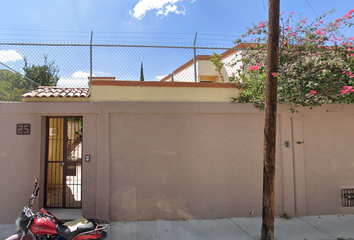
x,y
53,131
23,129
71,169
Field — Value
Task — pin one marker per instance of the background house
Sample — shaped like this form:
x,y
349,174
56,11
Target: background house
x,y
205,70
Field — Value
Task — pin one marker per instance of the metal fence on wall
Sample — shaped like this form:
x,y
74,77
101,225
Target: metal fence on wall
x,y
74,64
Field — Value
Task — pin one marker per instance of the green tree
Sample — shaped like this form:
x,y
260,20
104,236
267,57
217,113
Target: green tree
x,y
141,73
316,62
12,86
44,75
218,64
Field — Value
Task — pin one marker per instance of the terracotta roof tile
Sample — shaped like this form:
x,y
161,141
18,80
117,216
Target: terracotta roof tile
x,y
57,92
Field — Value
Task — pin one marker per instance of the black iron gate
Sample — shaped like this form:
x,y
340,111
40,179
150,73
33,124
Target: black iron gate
x,y
63,162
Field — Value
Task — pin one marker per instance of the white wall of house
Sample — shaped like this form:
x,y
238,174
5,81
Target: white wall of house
x,y
187,75
207,68
228,69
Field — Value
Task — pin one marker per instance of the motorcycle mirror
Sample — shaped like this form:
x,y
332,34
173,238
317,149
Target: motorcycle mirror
x,y
35,182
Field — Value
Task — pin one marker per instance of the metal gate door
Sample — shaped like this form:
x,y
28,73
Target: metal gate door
x,y
63,162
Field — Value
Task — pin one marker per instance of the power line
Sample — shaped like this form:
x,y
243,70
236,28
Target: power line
x,y
311,8
39,30
37,35
115,37
143,33
214,34
114,41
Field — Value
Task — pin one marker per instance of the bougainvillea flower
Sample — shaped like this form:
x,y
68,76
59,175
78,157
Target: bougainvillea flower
x,y
313,92
346,89
253,68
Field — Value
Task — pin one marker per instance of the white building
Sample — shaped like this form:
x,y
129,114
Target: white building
x,y
205,68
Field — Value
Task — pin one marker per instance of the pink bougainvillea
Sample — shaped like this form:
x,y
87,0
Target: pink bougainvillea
x,y
315,61
346,90
253,68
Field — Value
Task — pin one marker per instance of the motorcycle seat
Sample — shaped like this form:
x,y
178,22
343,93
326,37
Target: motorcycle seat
x,y
70,229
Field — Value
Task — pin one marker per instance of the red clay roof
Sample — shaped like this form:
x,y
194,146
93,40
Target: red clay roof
x,y
225,54
58,92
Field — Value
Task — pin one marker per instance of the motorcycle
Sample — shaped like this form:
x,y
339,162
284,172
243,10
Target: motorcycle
x,y
45,226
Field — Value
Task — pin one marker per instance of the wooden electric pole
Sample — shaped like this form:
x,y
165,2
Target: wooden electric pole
x,y
270,121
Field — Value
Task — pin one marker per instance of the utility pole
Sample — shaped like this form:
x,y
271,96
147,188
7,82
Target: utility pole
x,y
270,121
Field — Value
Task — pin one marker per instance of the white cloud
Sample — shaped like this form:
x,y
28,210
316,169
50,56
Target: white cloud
x,y
170,8
77,79
81,74
160,77
9,56
163,7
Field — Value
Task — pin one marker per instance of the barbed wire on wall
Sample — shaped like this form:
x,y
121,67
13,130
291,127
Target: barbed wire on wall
x,y
139,38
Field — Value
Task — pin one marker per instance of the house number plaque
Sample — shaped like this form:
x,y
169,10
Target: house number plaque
x,y
23,129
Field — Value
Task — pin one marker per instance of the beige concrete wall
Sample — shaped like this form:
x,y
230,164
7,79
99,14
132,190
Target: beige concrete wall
x,y
162,94
331,142
154,161
185,166
20,163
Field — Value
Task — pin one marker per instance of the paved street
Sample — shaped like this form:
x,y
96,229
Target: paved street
x,y
329,227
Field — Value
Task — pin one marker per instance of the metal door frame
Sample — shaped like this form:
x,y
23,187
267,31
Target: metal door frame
x,y
65,142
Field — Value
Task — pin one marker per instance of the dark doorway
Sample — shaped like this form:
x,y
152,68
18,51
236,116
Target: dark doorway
x,y
63,162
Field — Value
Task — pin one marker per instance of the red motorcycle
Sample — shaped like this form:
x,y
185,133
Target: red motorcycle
x,y
44,225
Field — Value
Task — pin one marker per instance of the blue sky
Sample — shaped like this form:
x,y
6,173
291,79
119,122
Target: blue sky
x,y
223,17
146,22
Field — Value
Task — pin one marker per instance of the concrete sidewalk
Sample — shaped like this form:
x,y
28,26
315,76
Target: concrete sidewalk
x,y
310,228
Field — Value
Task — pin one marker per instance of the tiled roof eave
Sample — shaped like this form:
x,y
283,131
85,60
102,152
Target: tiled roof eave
x,y
57,92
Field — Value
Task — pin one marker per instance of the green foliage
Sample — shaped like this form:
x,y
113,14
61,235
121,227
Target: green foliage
x,y
76,120
316,63
216,60
12,86
141,73
44,75
254,89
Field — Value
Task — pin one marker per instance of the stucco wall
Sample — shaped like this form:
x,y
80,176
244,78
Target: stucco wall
x,y
183,160
134,91
331,141
185,166
20,162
